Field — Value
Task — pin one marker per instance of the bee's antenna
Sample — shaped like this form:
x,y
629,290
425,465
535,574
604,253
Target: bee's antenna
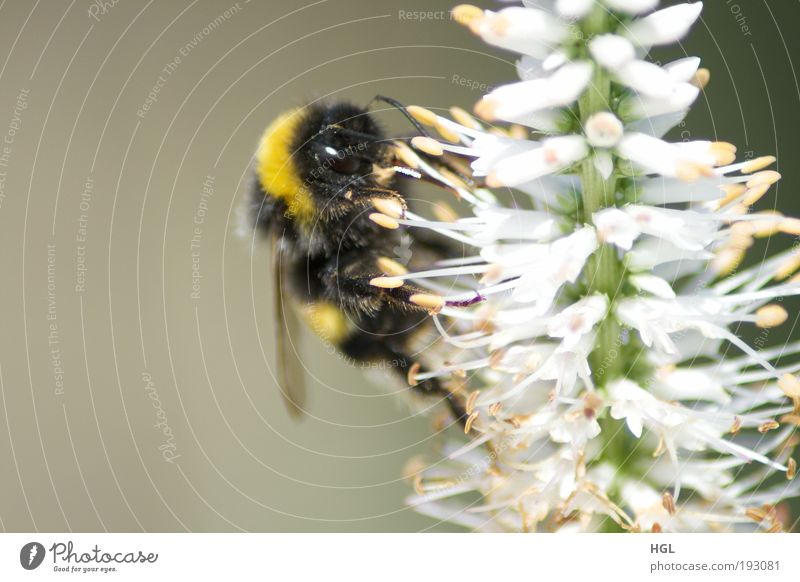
x,y
402,109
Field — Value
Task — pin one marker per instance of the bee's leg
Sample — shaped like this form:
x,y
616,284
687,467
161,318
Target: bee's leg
x,y
374,292
384,200
432,386
364,346
354,282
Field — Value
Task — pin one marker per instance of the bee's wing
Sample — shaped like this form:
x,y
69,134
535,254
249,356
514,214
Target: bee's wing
x,y
291,374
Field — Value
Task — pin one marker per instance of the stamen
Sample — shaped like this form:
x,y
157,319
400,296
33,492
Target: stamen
x,y
754,194
388,206
519,132
790,226
493,275
756,514
492,181
768,177
486,108
668,502
407,155
732,193
428,301
444,212
458,371
691,171
767,223
467,14
771,316
470,420
791,469
387,282
384,221
428,145
411,377
470,405
442,179
448,272
461,116
701,78
727,261
768,426
661,448
414,220
391,267
758,164
474,340
445,229
446,132
790,385
788,268
724,153
459,261
423,115
455,181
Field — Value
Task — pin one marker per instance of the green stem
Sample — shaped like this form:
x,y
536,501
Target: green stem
x,y
604,270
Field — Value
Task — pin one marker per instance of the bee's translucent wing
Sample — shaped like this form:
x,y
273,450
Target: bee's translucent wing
x,y
291,374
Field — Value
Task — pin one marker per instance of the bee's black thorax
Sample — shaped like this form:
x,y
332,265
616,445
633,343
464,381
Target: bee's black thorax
x,y
339,156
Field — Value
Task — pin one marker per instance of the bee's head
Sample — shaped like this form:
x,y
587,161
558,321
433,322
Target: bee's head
x,y
343,148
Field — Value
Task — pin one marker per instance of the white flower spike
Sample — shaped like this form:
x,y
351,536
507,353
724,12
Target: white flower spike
x,y
592,325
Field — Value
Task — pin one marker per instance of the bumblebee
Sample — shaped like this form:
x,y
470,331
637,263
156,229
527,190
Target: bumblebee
x,y
325,191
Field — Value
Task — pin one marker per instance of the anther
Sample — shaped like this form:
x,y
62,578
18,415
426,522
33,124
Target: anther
x,y
384,221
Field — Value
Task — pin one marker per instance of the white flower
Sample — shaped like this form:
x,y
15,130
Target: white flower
x,y
515,101
574,9
616,227
593,324
665,26
553,155
652,284
632,6
612,51
657,156
562,263
524,30
603,130
577,320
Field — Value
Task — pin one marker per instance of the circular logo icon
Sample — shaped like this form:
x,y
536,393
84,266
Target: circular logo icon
x,y
31,555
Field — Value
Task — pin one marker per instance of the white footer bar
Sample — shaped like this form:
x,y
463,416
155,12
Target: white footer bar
x,y
406,557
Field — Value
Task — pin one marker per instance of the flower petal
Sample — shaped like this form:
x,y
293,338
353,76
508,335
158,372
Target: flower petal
x,y
665,26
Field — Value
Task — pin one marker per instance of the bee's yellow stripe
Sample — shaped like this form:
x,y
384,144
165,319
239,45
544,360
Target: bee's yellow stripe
x,y
277,171
327,321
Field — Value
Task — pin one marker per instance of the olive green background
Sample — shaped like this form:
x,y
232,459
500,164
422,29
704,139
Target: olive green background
x,y
88,457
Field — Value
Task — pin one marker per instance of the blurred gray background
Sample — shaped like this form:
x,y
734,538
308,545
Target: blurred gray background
x,y
135,352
